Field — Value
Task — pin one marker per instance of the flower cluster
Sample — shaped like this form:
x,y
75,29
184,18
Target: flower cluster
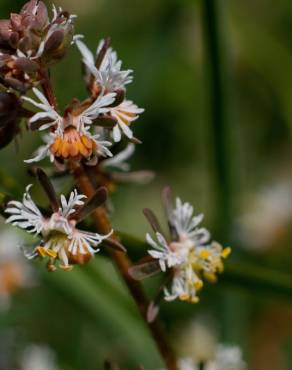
x,y
59,238
81,137
188,254
87,129
31,39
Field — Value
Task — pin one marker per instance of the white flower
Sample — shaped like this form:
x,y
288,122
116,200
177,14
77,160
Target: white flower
x,y
190,254
227,358
125,114
187,364
15,272
187,225
109,74
168,255
70,136
60,237
37,357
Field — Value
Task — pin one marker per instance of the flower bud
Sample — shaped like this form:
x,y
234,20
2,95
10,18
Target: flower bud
x,y
31,34
18,73
59,38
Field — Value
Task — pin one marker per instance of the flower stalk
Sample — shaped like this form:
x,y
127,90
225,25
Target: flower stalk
x,y
123,264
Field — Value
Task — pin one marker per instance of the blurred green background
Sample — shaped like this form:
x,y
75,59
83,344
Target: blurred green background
x,y
244,188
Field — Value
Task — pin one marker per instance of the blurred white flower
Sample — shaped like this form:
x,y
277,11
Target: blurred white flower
x,y
267,217
15,272
198,340
36,357
227,358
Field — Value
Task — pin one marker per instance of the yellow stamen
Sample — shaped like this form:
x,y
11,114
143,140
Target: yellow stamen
x,y
226,252
51,253
212,278
194,299
66,268
41,251
73,145
184,297
198,284
205,254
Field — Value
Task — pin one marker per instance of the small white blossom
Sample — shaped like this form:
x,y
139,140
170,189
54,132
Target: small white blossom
x,y
227,358
70,136
125,114
187,364
60,237
15,272
109,74
191,255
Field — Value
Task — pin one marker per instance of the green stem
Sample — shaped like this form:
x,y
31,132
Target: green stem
x,y
218,111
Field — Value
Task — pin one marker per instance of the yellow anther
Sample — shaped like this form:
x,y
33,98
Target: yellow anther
x,y
66,267
226,252
41,251
184,297
51,253
51,267
205,254
198,284
194,300
212,278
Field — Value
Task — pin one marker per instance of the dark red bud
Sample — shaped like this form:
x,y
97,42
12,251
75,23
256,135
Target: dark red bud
x,y
54,41
29,7
42,15
14,39
26,65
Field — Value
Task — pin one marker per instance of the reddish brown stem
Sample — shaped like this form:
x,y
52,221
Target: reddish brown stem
x,y
123,264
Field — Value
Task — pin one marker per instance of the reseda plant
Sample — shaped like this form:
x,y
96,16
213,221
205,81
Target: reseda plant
x,y
90,141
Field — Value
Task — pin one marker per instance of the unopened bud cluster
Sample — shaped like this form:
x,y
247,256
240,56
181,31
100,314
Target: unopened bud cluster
x,y
29,41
